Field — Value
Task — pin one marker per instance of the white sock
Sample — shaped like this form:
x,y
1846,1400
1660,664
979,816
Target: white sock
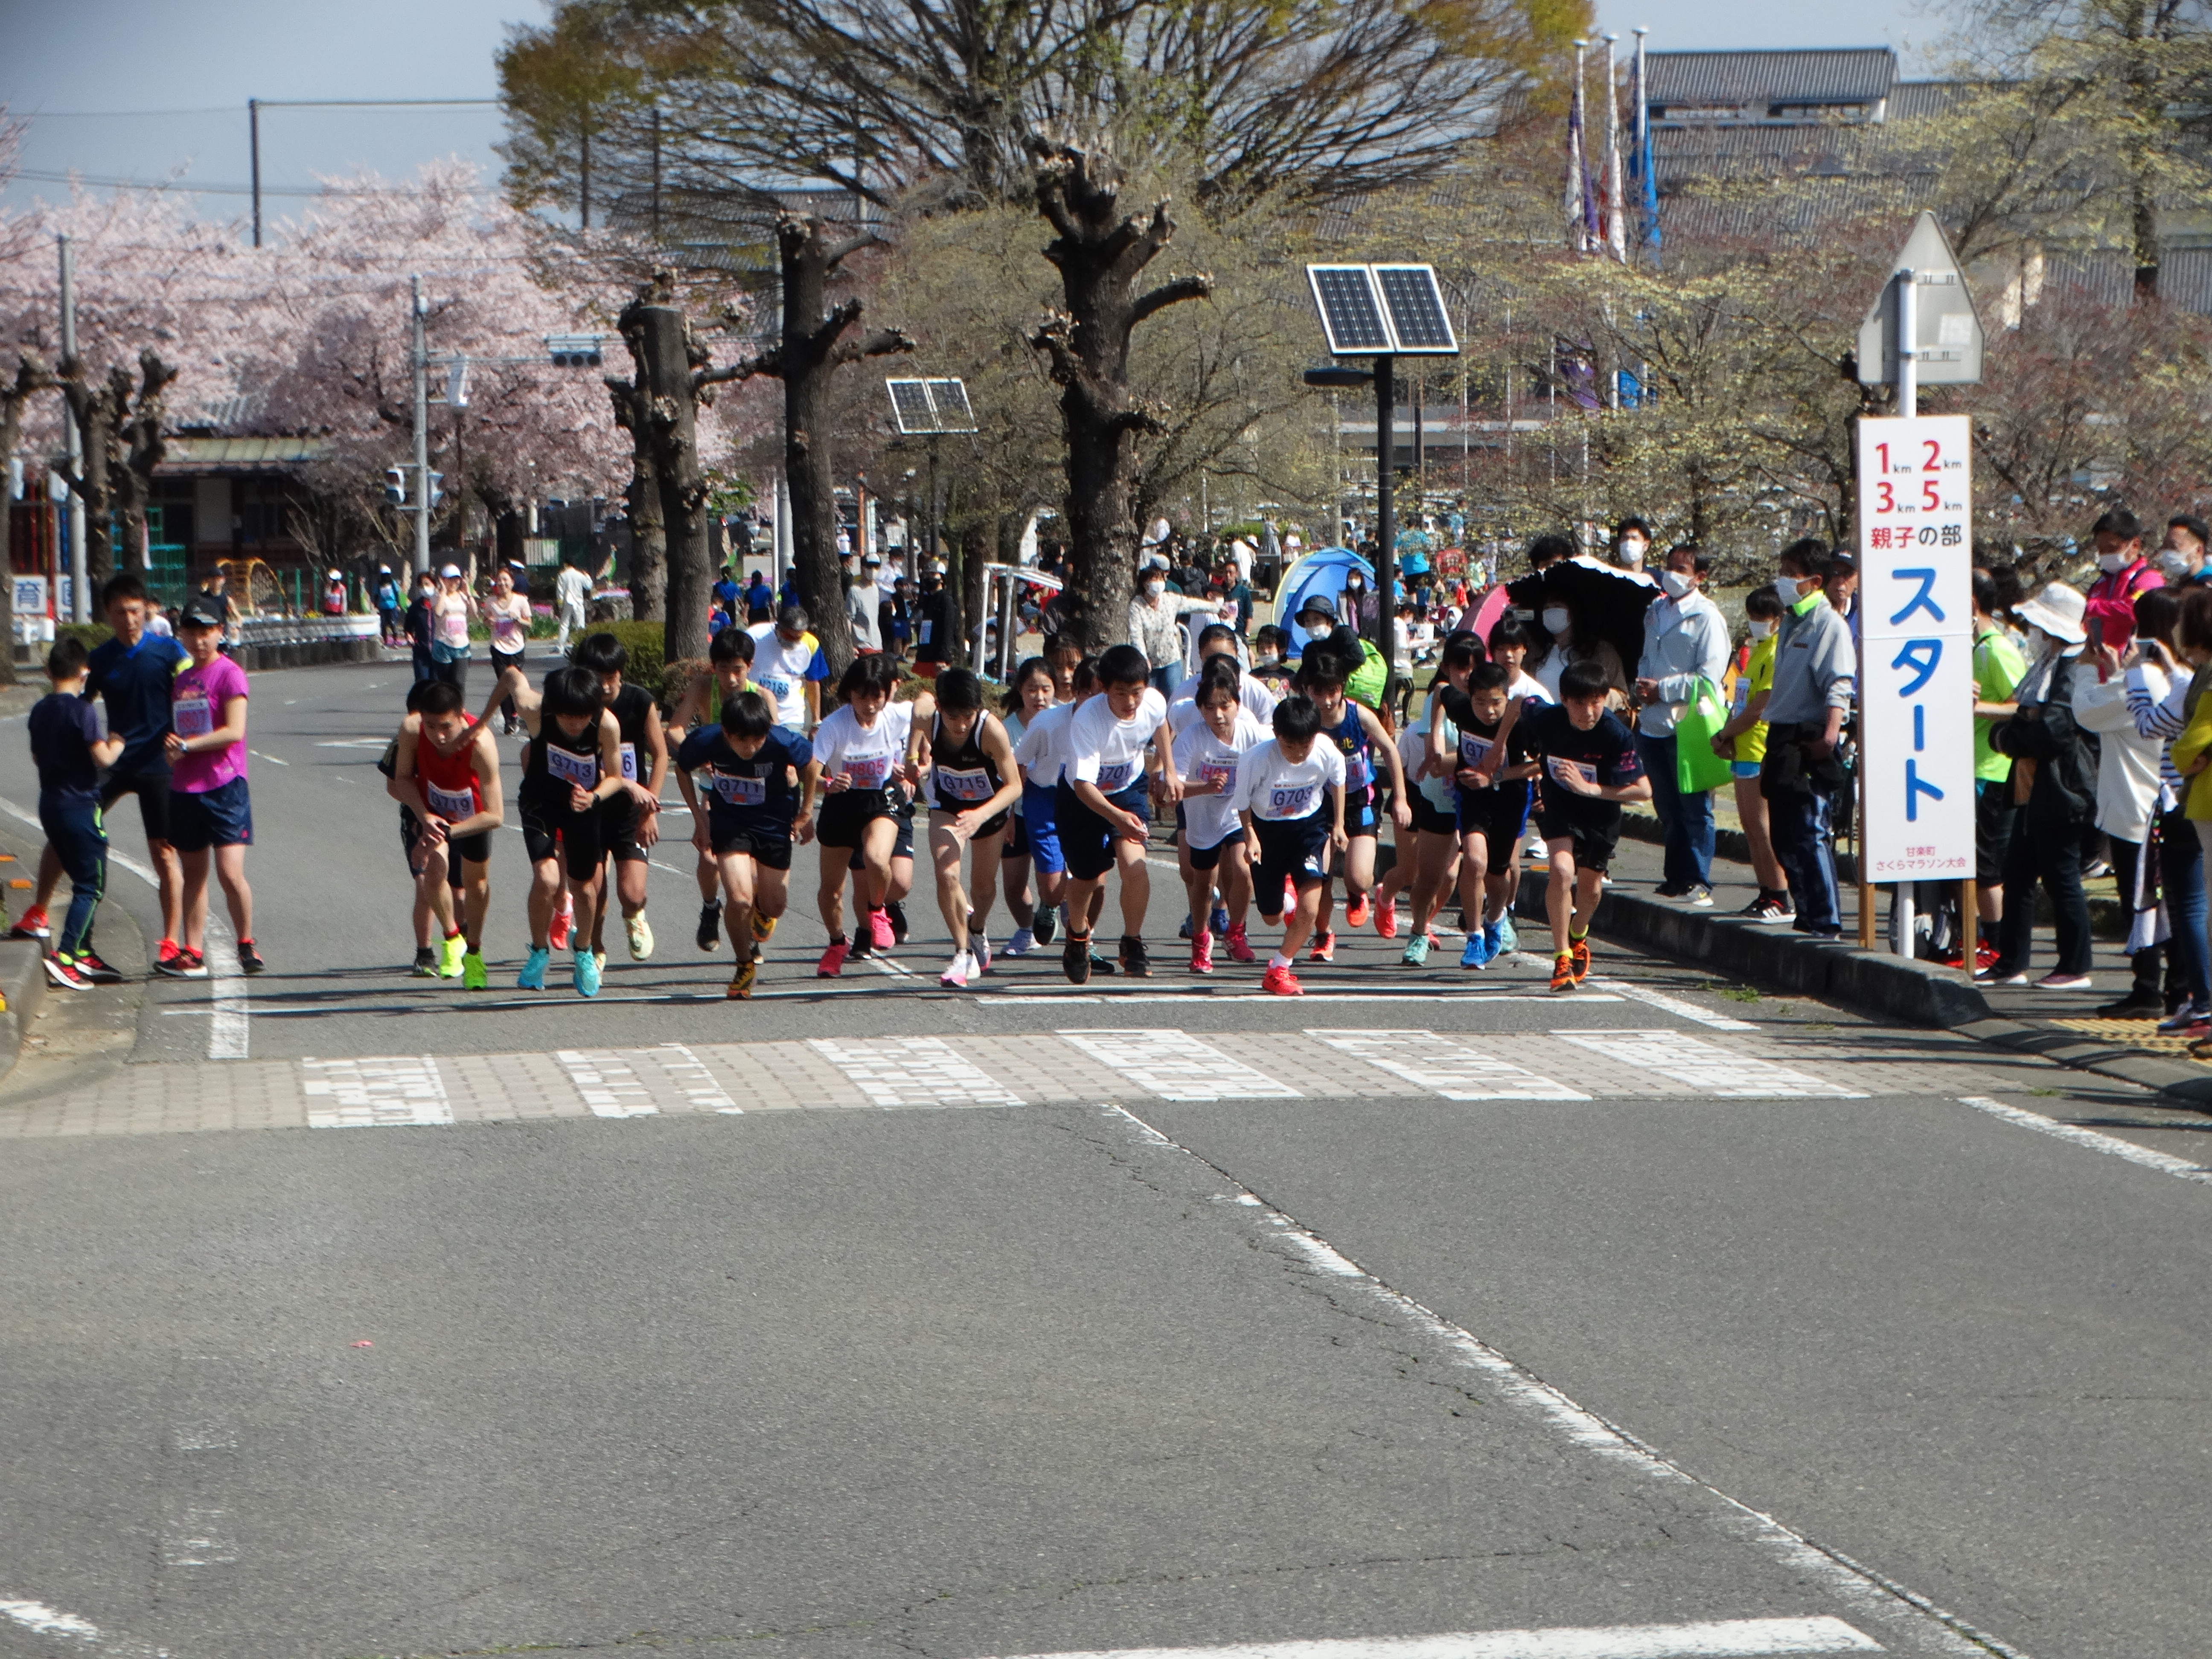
x,y
1278,960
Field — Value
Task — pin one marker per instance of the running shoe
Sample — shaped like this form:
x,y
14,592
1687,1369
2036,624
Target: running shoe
x,y
1355,910
896,908
1579,950
1023,941
2183,1018
881,934
1282,982
1047,924
1183,929
1476,952
762,927
1700,898
1564,977
599,960
979,948
1103,966
532,976
586,976
1507,938
1491,946
426,963
32,925
2058,981
1770,907
249,959
833,959
473,976
173,960
954,976
710,925
1240,947
1386,920
1136,962
1217,921
1671,889
741,985
99,972
864,943
1324,947
641,936
450,953
192,964
562,921
1201,953
1075,959
63,972
1417,952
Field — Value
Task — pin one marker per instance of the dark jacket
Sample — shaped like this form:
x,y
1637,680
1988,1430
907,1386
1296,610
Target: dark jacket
x,y
2064,794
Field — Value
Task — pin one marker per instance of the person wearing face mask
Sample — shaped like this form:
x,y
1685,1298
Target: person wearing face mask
x,y
1359,604
1152,617
1685,640
1743,741
2123,572
1816,675
1631,546
2181,557
1567,646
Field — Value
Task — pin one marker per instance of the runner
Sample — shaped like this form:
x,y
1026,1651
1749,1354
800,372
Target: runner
x,y
972,786
1206,756
752,814
1427,752
134,673
632,812
508,614
448,768
68,750
789,664
1215,640
1489,763
1359,736
1042,756
1031,695
210,810
730,658
571,766
860,747
432,906
1587,768
1290,800
451,613
898,878
1103,808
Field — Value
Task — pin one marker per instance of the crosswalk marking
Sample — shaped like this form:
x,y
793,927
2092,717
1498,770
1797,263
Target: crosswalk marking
x,y
374,1091
1451,1069
914,1072
609,1083
1723,1072
1719,1638
1177,1067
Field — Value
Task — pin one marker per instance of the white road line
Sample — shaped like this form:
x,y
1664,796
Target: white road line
x,y
914,1072
1728,1638
1452,1070
1671,1004
122,860
691,1077
2110,1145
610,1085
377,743
374,1091
229,1032
1176,1066
271,759
1723,1074
40,1620
1032,998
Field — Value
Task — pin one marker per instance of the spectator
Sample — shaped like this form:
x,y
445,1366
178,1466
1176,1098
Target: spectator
x,y
1998,666
1842,589
1270,647
1153,615
1816,673
386,592
2166,686
1631,546
1567,646
861,606
1360,606
760,600
2058,795
933,626
727,592
895,620
419,625
1685,640
2124,572
2127,798
1743,741
2181,558
572,594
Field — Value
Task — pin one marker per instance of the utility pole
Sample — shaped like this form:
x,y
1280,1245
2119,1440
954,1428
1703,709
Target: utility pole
x,y
80,590
420,357
584,184
253,143
656,176
1386,519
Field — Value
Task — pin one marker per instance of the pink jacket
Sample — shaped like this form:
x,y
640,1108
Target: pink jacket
x,y
2112,601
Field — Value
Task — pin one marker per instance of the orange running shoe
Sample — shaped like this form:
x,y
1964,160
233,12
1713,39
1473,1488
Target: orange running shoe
x,y
1355,910
1282,982
1562,972
1579,950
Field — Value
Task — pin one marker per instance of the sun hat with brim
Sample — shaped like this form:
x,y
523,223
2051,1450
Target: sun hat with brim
x,y
1315,606
2057,610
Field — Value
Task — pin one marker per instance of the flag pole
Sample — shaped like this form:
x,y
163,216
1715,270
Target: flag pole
x,y
1616,233
1578,171
1647,187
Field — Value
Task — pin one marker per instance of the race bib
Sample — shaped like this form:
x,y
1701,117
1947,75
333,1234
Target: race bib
x,y
629,762
507,631
1742,695
1292,803
1358,770
447,805
741,790
194,719
1567,770
867,771
1221,774
582,770
1114,777
965,786
1472,751
776,686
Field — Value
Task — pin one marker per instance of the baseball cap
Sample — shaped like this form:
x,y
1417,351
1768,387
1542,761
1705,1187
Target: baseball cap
x,y
196,615
451,570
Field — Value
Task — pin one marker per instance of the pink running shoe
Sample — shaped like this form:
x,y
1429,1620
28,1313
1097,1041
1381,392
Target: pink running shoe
x,y
832,960
1240,948
879,929
1201,952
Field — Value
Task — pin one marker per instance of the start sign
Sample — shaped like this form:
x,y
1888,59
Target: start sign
x,y
1917,647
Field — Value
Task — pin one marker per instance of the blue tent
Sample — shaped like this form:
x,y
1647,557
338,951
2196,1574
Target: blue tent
x,y
1322,571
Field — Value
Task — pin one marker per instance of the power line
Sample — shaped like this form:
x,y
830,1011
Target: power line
x,y
186,187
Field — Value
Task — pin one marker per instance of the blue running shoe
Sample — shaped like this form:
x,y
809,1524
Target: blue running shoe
x,y
532,976
1506,941
1493,945
1220,921
587,974
1477,953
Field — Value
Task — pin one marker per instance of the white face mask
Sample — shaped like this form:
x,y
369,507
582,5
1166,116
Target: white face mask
x,y
1556,619
1762,630
1787,586
1632,553
2110,562
2173,564
1156,587
1673,583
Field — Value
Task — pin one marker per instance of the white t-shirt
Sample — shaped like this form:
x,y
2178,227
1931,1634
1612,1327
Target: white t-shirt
x,y
573,586
1272,787
1042,752
1413,751
1198,754
1107,751
867,756
1524,688
781,668
1183,708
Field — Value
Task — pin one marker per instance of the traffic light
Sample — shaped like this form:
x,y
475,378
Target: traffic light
x,y
395,486
574,350
437,490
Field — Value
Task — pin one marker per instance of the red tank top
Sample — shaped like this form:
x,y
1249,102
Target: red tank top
x,y
449,781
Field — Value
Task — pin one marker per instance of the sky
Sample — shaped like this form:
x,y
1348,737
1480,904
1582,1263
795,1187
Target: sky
x,y
141,90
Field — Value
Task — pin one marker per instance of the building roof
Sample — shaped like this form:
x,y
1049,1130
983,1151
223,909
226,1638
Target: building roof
x,y
1768,85
239,455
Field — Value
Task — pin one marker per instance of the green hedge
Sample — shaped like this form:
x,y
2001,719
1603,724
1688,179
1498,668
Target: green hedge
x,y
93,634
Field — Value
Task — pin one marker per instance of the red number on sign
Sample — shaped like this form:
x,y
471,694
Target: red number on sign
x,y
1887,501
1882,450
1935,456
1929,498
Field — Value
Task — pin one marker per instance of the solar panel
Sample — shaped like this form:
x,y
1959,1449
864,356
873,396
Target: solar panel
x,y
953,412
911,408
1350,315
1417,309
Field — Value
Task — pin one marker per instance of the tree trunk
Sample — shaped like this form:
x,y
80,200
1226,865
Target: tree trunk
x,y
123,444
1100,254
675,426
648,537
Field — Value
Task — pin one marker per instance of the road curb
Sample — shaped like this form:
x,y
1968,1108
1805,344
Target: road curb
x,y
2185,1084
23,982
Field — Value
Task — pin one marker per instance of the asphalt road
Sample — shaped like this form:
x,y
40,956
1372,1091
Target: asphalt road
x,y
1262,1343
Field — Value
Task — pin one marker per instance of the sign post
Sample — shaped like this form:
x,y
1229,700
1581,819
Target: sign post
x,y
1916,574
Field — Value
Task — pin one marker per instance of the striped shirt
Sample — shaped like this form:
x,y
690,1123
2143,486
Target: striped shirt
x,y
2155,705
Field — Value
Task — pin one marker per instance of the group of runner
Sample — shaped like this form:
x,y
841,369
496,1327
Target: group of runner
x,y
1048,798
